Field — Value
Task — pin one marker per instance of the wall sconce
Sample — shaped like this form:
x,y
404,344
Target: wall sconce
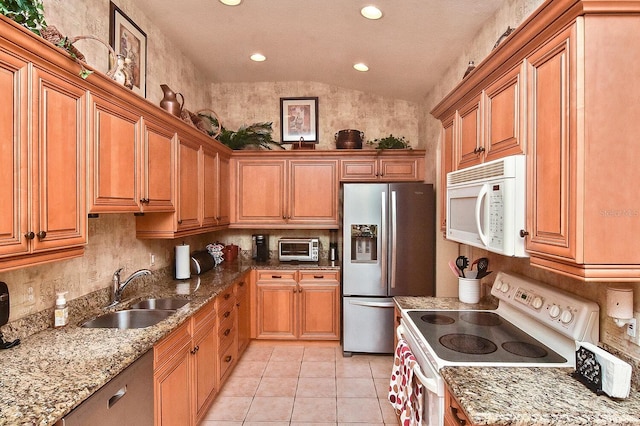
x,y
620,305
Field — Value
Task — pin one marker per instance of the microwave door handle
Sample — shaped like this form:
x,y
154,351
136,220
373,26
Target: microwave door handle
x,y
484,191
383,236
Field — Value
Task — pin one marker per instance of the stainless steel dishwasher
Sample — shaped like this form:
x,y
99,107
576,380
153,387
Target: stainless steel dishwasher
x,y
127,400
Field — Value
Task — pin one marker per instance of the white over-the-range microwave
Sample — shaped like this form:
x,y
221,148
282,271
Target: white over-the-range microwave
x,y
486,206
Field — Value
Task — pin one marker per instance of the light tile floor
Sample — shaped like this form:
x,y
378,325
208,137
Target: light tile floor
x,y
288,384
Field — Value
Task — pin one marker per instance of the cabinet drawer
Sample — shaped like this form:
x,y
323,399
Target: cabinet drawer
x,y
240,288
227,360
205,318
319,275
171,345
227,332
224,297
276,276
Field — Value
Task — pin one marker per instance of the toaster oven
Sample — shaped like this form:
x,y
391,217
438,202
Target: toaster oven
x,y
298,249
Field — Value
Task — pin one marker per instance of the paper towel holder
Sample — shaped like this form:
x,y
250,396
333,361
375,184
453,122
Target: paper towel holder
x,y
620,305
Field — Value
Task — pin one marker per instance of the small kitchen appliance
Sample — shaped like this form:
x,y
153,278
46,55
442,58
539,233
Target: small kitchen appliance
x,y
535,325
260,248
298,249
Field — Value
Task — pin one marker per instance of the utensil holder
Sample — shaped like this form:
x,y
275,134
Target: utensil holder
x,y
469,288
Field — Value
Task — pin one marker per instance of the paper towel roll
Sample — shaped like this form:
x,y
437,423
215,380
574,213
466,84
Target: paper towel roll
x,y
183,262
620,302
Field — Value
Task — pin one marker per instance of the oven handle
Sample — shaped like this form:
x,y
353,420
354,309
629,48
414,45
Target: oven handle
x,y
430,384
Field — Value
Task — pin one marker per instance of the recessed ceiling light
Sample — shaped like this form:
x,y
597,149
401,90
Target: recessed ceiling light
x,y
231,2
361,67
258,57
371,12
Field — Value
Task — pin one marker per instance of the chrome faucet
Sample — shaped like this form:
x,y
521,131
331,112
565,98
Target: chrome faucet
x,y
118,287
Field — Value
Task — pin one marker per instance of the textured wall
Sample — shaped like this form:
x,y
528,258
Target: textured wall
x,y
338,108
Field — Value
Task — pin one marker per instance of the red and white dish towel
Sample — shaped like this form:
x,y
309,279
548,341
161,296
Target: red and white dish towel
x,y
406,393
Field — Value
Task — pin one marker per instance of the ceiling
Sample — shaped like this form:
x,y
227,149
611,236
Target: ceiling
x,y
319,40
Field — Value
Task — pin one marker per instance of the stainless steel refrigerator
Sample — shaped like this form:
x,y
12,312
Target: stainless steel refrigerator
x,y
388,235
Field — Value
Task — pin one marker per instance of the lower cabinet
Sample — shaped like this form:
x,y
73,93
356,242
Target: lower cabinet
x,y
298,305
453,413
227,333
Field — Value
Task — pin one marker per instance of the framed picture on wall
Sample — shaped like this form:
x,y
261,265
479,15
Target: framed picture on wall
x,y
128,40
299,119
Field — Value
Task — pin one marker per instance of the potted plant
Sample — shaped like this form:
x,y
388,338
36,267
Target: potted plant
x,y
28,13
256,135
390,142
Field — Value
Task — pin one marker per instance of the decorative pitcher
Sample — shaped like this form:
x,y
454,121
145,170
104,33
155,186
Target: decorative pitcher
x,y
170,101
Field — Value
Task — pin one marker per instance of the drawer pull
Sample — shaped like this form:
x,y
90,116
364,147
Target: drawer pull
x,y
454,412
318,277
241,283
276,276
228,358
227,331
227,296
226,314
117,396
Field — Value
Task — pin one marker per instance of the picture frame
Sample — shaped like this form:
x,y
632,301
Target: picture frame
x,y
299,120
128,40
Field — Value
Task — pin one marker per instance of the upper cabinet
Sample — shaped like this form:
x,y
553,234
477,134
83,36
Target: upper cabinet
x,y
561,82
42,168
382,166
286,191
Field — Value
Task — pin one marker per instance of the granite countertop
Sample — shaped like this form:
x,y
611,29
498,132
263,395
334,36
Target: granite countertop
x,y
53,370
525,395
535,396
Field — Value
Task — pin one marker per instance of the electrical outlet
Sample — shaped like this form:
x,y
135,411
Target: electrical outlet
x,y
152,259
632,329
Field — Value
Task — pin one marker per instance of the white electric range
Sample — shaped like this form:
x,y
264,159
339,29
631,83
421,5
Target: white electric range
x,y
535,325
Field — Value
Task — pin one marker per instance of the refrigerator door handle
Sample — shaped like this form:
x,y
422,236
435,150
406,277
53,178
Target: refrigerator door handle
x,y
393,233
383,236
372,304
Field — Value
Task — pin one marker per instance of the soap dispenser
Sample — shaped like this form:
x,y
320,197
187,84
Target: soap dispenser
x,y
61,313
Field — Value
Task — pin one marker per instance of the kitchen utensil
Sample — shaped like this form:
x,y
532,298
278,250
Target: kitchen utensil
x,y
454,269
483,264
462,262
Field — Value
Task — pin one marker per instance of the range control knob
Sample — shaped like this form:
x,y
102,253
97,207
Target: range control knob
x,y
554,311
566,317
503,286
537,302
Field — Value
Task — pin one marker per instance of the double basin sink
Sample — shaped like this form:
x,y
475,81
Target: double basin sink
x,y
140,315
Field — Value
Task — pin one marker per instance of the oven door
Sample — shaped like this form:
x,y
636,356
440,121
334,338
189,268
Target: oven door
x,y
433,404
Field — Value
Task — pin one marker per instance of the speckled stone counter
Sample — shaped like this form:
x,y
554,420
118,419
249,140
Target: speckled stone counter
x,y
450,303
535,396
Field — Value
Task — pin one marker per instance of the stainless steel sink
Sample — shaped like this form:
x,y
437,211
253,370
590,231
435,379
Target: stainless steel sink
x,y
157,304
130,318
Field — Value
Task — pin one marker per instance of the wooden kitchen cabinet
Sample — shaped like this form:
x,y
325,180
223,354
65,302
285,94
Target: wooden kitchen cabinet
x,y
454,415
227,332
446,165
383,166
298,305
286,192
43,166
204,353
158,166
469,138
243,314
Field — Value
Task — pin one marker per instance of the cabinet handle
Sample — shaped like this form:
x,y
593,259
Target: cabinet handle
x,y
237,305
195,349
226,314
227,331
299,290
454,412
228,358
227,296
30,235
523,233
318,277
144,200
276,276
179,221
41,235
241,283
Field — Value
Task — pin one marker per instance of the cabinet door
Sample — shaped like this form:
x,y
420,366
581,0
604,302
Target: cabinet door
x,y
113,158
172,389
551,203
319,305
158,167
470,133
401,169
261,191
276,302
243,315
447,165
359,170
210,187
313,196
188,185
14,214
206,375
503,115
224,193
58,207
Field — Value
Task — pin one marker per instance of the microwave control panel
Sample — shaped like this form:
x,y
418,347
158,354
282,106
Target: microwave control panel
x,y
496,212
